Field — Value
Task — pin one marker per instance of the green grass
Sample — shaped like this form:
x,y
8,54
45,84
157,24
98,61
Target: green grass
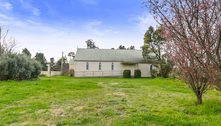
x,y
61,100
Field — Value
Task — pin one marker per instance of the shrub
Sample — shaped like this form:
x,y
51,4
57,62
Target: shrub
x,y
153,73
137,73
18,67
71,72
36,69
42,75
171,76
127,74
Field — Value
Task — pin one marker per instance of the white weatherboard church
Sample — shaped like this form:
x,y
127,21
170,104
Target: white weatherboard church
x,y
109,63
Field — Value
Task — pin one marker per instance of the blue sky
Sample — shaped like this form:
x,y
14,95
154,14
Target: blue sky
x,y
53,26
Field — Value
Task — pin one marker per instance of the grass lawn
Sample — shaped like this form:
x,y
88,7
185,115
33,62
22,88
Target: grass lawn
x,y
61,100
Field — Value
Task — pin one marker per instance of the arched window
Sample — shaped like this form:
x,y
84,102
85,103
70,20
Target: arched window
x,y
100,66
87,66
112,66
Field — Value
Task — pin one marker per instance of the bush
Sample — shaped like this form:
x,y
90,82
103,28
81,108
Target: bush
x,y
171,76
42,75
71,73
137,73
127,74
153,73
18,67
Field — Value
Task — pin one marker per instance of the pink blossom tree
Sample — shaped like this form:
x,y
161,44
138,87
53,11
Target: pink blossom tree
x,y
192,32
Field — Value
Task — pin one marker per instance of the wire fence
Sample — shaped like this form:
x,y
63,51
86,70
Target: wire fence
x,y
113,73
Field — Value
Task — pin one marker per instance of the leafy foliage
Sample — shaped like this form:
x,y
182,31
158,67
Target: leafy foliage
x,y
153,73
137,73
18,67
153,44
71,72
91,44
52,64
41,58
123,47
27,52
71,54
127,74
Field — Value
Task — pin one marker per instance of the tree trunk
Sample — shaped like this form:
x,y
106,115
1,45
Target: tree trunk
x,y
199,99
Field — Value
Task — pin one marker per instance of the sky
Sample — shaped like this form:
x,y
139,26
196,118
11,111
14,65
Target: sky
x,y
53,26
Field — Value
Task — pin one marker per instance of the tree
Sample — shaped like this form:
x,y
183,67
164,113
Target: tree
x,y
91,44
132,48
71,54
58,63
64,60
129,48
153,43
121,47
52,64
192,32
7,44
26,51
41,58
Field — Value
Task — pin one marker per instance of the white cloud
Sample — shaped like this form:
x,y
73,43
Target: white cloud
x,y
50,9
5,17
72,22
97,28
34,23
29,7
6,5
143,22
90,27
36,11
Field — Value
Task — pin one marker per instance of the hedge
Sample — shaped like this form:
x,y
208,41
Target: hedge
x,y
137,73
127,74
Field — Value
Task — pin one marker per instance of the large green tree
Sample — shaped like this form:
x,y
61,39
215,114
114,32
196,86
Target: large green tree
x,y
153,50
41,58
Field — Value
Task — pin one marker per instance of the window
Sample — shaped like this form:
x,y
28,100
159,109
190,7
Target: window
x,y
87,66
100,66
112,66
151,67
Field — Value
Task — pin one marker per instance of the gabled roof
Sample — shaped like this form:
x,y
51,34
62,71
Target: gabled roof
x,y
110,55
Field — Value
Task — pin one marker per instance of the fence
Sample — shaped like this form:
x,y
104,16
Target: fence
x,y
114,73
51,73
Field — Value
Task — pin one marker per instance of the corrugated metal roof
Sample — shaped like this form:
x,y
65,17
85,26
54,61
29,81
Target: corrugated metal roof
x,y
109,55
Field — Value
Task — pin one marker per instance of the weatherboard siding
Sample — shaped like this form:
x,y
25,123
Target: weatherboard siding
x,y
93,70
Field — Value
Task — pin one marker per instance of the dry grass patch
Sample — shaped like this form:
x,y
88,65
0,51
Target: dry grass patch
x,y
57,111
113,83
79,108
